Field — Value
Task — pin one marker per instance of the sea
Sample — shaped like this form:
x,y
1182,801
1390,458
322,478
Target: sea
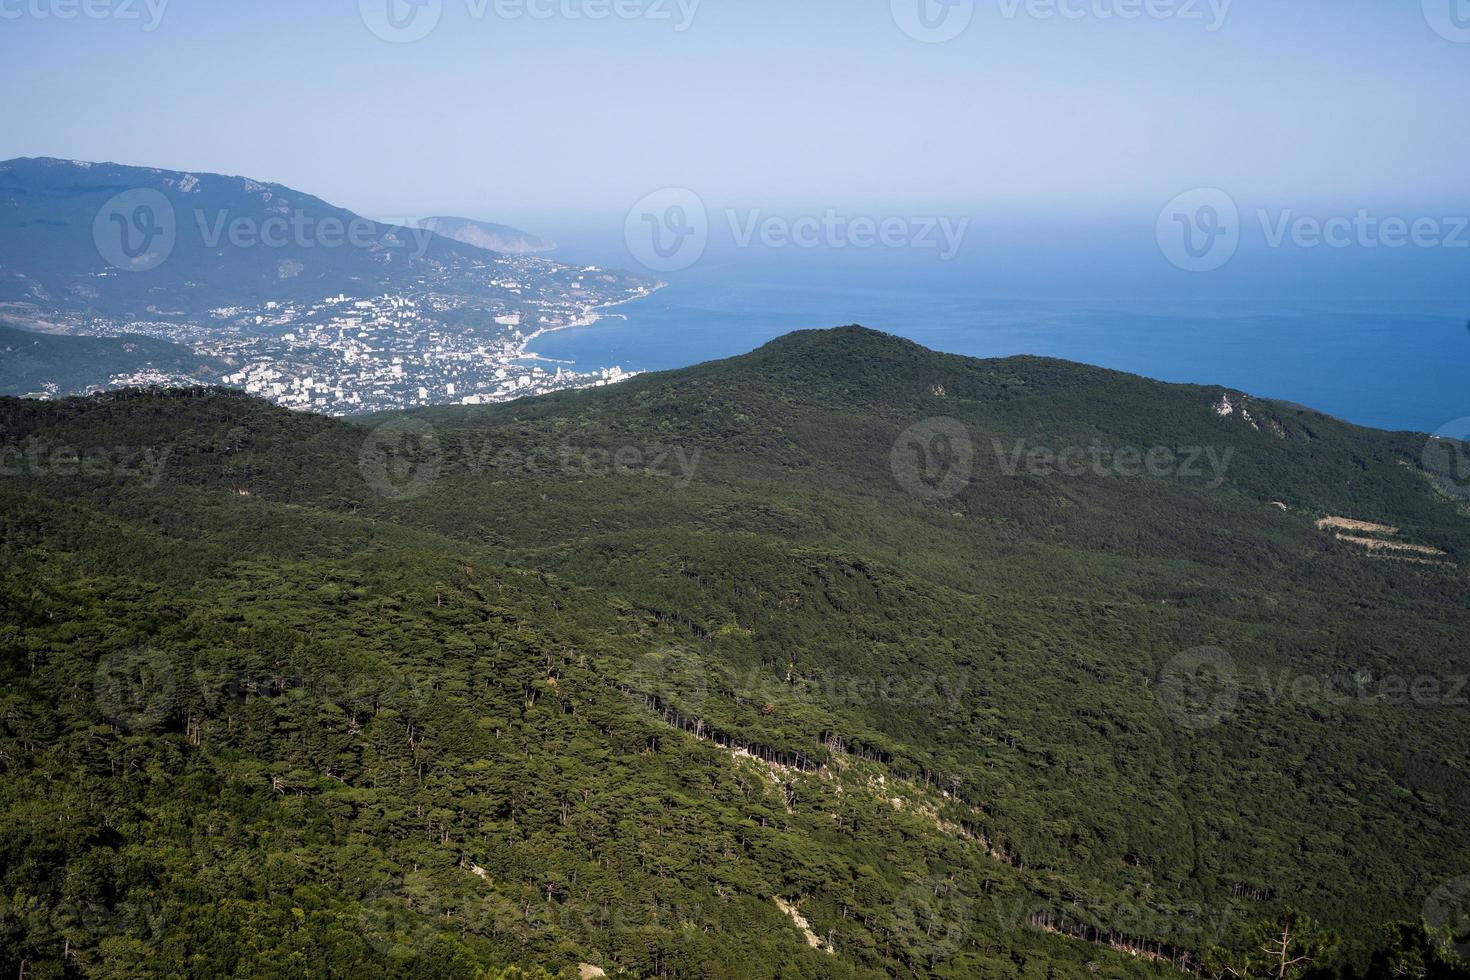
x,y
1380,337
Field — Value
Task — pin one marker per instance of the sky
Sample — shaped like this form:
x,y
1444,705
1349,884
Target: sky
x,y
521,110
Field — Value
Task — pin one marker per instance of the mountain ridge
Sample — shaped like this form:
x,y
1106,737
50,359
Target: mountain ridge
x,y
487,235
216,240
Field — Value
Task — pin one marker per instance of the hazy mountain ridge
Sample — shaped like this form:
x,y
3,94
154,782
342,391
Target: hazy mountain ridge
x,y
237,241
48,256
487,235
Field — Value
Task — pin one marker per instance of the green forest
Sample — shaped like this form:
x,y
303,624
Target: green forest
x,y
808,663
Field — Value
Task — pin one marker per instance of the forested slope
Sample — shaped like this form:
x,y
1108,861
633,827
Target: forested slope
x,y
599,677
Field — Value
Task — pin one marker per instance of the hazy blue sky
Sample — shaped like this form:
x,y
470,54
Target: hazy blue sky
x,y
776,103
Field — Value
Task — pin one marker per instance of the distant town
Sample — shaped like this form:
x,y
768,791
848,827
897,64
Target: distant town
x,y
345,355
394,317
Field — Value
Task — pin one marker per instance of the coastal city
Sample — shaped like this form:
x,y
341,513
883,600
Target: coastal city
x,y
346,355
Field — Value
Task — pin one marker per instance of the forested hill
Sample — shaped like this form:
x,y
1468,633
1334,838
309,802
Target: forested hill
x,y
842,658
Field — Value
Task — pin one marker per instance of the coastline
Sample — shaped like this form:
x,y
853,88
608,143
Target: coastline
x,y
591,316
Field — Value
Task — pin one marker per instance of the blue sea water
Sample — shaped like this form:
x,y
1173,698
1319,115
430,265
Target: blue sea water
x,y
1379,340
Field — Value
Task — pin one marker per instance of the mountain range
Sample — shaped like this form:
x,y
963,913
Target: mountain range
x,y
842,658
487,235
101,239
67,229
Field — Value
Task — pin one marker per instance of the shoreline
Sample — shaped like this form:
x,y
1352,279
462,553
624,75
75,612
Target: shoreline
x,y
592,316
